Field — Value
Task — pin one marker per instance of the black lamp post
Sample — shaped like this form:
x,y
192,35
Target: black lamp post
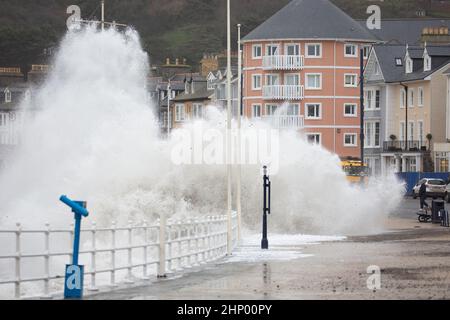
x,y
266,208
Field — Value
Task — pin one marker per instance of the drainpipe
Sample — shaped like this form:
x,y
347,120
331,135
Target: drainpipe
x,y
406,117
361,87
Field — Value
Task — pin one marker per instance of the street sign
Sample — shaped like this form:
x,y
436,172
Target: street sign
x,y
73,285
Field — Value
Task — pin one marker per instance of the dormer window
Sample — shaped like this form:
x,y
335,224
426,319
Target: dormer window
x,y
398,62
186,86
7,95
409,65
427,63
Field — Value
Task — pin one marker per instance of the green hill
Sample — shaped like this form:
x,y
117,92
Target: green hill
x,y
169,28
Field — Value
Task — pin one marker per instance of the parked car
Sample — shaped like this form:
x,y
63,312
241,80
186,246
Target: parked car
x,y
436,188
447,193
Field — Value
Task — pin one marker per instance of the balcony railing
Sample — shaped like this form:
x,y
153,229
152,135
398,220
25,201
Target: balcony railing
x,y
285,121
283,92
410,146
284,62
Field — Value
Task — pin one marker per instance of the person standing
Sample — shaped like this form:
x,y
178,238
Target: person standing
x,y
423,196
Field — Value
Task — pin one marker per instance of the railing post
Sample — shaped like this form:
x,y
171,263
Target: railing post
x,y
113,254
169,246
208,230
144,270
18,254
162,247
195,229
130,253
179,260
93,257
47,262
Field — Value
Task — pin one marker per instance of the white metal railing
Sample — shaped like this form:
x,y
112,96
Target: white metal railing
x,y
284,92
283,62
167,245
285,121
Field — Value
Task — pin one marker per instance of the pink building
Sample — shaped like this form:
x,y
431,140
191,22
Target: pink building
x,y
306,57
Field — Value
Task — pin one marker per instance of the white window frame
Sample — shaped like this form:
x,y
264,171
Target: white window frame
x,y
254,57
352,85
411,130
277,45
420,131
371,141
402,98
8,97
180,115
355,144
347,45
195,110
366,51
427,63
309,134
421,97
315,104
307,84
355,115
269,107
254,87
274,75
287,45
313,56
402,131
253,110
409,65
293,106
411,97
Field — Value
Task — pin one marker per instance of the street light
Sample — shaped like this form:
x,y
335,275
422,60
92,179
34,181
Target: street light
x,y
238,151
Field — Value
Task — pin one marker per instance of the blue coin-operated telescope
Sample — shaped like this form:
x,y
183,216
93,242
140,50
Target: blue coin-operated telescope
x,y
73,285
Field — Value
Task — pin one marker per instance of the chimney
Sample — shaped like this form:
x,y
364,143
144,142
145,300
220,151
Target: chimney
x,y
177,61
184,61
439,35
167,61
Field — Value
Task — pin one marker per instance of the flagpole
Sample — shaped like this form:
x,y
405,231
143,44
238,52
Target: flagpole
x,y
229,194
238,151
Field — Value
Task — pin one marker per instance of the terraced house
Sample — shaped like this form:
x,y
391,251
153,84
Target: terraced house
x,y
406,107
306,59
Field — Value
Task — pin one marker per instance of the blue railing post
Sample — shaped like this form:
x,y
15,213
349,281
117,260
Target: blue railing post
x,y
73,284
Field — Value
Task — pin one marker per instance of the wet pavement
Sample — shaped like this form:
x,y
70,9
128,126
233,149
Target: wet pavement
x,y
414,260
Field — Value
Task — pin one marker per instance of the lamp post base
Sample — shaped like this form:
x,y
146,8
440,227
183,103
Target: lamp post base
x,y
264,244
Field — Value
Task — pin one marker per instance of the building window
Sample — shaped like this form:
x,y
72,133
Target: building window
x,y
399,62
372,100
256,111
402,130
257,51
7,95
292,50
256,82
271,109
313,111
411,131
402,98
366,50
411,98
272,80
421,97
372,134
293,109
314,81
197,110
409,65
272,49
314,50
427,63
313,138
420,135
351,80
377,99
350,140
180,114
351,51
3,117
350,110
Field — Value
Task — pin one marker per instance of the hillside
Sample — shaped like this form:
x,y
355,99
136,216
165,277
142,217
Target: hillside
x,y
169,28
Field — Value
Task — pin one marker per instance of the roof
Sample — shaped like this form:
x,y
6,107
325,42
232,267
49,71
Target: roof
x,y
438,51
386,54
403,31
199,94
310,19
447,71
